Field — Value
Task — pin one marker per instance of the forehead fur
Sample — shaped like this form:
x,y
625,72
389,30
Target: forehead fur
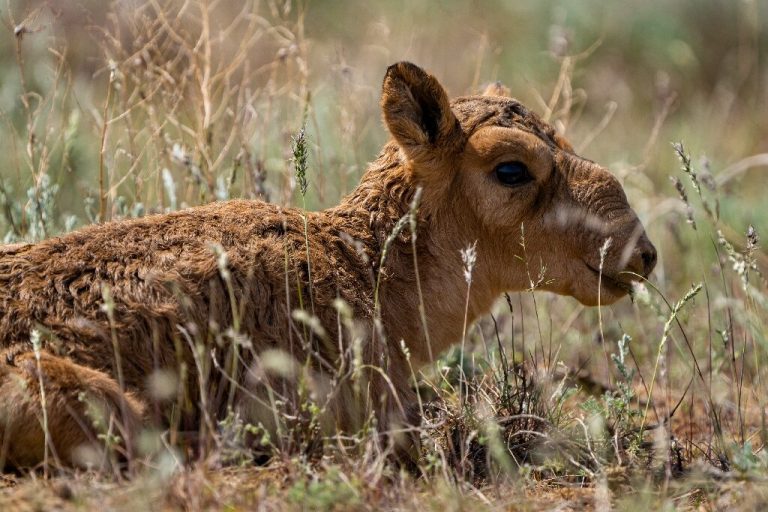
x,y
474,112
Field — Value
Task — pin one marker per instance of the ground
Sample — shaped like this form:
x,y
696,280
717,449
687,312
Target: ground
x,y
153,108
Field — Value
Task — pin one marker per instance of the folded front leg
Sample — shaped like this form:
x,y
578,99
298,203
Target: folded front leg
x,y
79,404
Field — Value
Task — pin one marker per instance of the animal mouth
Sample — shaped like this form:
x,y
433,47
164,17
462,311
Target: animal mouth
x,y
613,284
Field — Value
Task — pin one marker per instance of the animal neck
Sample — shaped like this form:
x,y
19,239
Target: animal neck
x,y
448,302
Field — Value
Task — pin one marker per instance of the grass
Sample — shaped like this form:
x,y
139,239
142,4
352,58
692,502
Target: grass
x,y
655,402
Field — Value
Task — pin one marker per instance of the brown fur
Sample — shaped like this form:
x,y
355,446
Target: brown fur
x,y
169,293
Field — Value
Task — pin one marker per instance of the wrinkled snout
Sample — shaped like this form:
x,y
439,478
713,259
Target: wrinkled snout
x,y
611,240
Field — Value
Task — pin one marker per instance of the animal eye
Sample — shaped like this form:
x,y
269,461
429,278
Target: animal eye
x,y
513,174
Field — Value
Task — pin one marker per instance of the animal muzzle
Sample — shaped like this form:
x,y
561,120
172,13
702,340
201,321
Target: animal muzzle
x,y
606,214
628,257
638,255
647,255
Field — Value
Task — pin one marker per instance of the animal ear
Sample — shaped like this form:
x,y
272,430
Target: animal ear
x,y
418,113
497,89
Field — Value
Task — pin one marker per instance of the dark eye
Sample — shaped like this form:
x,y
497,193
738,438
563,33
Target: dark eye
x,y
513,174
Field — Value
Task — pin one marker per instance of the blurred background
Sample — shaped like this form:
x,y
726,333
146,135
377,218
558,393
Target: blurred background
x,y
699,65
117,109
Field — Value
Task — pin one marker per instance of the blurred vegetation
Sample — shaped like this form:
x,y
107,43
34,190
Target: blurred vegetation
x,y
705,56
118,109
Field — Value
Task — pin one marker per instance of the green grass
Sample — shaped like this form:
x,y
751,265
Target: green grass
x,y
656,402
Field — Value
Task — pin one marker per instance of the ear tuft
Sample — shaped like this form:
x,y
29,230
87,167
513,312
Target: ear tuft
x,y
497,89
417,111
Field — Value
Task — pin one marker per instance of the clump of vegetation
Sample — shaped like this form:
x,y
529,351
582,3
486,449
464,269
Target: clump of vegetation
x,y
650,403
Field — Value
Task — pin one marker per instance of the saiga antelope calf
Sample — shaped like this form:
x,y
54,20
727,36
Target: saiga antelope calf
x,y
115,304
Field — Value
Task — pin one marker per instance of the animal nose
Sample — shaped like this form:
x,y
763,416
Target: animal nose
x,y
647,255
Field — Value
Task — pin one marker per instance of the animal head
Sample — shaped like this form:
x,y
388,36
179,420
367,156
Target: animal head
x,y
493,171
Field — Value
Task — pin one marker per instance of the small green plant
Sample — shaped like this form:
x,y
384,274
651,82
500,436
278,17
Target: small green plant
x,y
615,412
163,105
330,490
241,441
620,404
300,152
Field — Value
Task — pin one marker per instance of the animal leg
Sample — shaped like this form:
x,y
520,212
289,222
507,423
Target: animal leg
x,y
73,403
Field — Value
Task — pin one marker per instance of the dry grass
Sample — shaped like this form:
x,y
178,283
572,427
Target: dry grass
x,y
156,105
